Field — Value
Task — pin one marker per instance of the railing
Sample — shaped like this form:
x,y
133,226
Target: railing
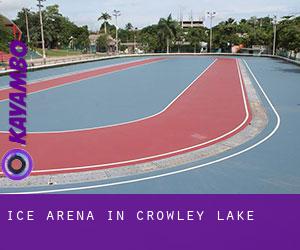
x,y
59,60
37,64
289,54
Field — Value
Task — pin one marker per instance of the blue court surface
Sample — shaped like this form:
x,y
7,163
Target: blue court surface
x,y
268,163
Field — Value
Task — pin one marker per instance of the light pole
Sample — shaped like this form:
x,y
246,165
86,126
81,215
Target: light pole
x,y
254,28
27,26
116,14
134,36
211,15
42,29
274,38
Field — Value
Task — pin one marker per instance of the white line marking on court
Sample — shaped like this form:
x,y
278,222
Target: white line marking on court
x,y
178,171
172,152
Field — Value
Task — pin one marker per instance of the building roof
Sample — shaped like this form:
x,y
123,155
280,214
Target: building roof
x,y
15,29
192,24
93,39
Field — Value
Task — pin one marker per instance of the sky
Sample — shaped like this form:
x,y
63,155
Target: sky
x,y
142,13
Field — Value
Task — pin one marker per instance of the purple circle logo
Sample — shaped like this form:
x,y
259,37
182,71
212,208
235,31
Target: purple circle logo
x,y
17,164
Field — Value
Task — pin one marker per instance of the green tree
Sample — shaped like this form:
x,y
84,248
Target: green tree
x,y
226,34
129,26
6,36
81,35
167,30
254,31
102,43
148,36
33,21
159,37
289,34
104,16
195,36
52,26
58,30
68,30
125,35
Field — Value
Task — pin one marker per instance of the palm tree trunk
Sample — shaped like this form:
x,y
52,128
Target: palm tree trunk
x,y
168,46
105,28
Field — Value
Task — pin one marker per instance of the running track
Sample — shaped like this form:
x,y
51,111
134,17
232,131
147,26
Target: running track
x,y
181,127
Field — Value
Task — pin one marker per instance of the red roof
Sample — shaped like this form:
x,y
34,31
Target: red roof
x,y
15,29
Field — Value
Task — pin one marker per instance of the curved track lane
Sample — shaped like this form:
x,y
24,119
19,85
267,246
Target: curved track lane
x,y
179,128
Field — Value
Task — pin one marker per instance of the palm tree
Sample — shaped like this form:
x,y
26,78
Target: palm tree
x,y
128,26
167,30
104,16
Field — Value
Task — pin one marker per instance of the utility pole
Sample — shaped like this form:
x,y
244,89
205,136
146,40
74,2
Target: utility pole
x,y
134,42
42,29
181,16
27,26
254,27
274,38
116,14
211,15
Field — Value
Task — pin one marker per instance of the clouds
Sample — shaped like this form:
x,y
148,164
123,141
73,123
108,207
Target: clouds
x,y
145,12
9,7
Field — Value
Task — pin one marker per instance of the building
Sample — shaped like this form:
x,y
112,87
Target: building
x,y
192,24
132,48
110,46
256,50
17,33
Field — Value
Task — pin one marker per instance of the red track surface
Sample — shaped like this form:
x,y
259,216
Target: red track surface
x,y
210,108
54,82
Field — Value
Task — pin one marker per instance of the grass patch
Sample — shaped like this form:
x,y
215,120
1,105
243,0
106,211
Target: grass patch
x,y
60,52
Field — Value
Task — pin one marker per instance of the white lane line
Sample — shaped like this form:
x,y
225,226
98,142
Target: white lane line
x,y
171,152
178,171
